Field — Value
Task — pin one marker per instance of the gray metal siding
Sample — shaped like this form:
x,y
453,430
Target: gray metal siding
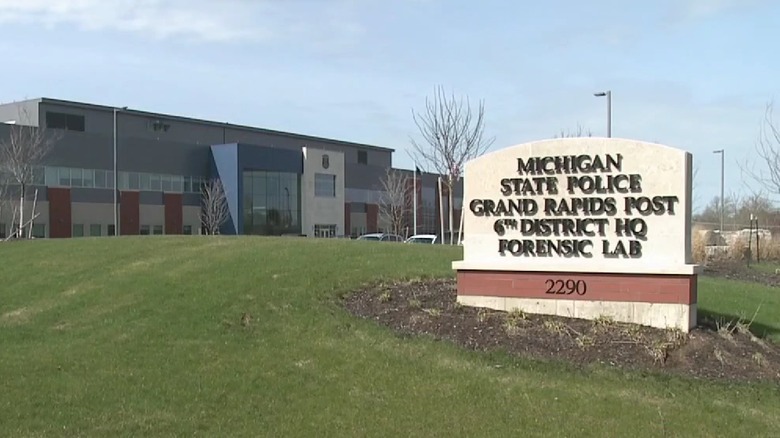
x,y
100,196
191,199
136,125
76,149
26,109
272,159
184,149
361,176
238,135
163,157
151,198
96,152
139,126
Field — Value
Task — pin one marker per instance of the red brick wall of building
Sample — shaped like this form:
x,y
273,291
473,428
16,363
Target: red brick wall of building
x,y
372,218
347,219
129,211
59,212
173,213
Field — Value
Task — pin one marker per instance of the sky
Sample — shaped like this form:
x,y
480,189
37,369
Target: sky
x,y
693,74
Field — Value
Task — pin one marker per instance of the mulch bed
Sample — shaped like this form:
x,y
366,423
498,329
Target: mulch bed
x,y
429,307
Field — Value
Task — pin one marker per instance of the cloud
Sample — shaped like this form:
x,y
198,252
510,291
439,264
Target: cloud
x,y
693,10
704,8
193,20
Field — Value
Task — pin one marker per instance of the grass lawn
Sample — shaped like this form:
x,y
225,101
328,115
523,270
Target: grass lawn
x,y
768,267
142,337
730,299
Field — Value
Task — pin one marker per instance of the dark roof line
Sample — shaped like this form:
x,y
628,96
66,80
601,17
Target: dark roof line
x,y
210,122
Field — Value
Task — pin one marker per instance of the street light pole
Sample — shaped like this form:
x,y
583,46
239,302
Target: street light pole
x,y
116,211
722,174
116,175
608,95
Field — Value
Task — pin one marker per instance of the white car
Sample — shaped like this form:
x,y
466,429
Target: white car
x,y
382,237
422,238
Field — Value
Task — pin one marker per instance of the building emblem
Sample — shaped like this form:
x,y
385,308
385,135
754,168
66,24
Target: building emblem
x,y
325,162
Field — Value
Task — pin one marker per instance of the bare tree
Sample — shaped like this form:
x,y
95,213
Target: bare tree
x,y
695,197
214,210
738,210
579,132
4,200
395,200
452,134
767,176
21,155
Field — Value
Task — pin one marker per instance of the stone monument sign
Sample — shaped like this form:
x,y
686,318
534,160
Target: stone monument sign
x,y
583,228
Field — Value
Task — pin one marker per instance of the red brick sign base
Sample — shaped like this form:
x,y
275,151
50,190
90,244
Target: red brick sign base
x,y
644,288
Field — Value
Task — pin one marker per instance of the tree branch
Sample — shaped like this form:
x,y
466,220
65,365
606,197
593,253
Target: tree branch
x,y
395,200
215,211
767,174
452,134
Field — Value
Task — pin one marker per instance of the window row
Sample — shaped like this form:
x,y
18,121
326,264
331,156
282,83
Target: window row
x,y
104,179
38,230
78,230
95,230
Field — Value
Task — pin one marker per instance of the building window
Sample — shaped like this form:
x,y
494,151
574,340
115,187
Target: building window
x,y
133,181
104,179
144,230
146,181
64,174
177,183
271,203
157,230
165,183
187,229
39,176
78,230
154,183
111,230
39,231
95,230
88,178
70,122
324,230
100,179
362,157
52,176
75,178
324,185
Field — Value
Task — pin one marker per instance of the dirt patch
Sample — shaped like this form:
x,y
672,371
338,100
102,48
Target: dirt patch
x,y
430,308
738,270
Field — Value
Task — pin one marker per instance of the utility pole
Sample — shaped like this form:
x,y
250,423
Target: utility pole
x,y
414,200
116,175
722,175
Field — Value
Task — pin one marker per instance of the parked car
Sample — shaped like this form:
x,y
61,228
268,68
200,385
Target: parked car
x,y
382,237
422,238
